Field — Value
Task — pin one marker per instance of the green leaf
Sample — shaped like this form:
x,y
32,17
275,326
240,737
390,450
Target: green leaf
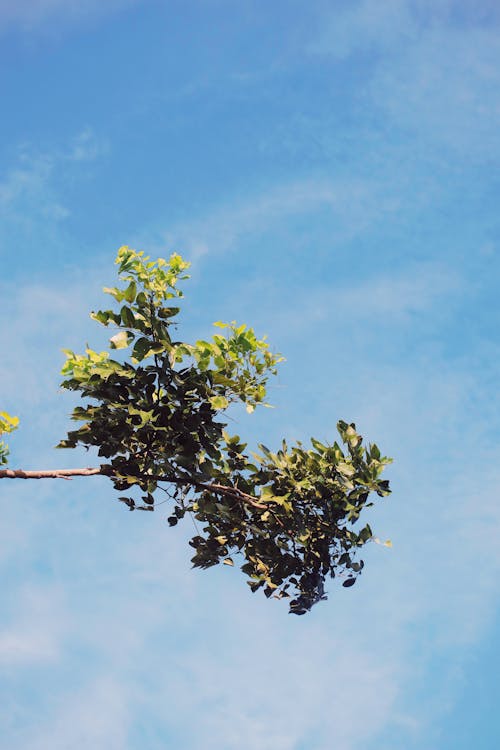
x,y
130,292
127,316
319,446
219,402
141,348
168,312
365,534
102,316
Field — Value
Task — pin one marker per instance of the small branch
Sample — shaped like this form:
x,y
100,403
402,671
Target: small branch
x,y
48,474
223,489
220,489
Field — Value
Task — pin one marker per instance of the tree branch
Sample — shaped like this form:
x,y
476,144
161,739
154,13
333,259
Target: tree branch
x,y
48,474
220,489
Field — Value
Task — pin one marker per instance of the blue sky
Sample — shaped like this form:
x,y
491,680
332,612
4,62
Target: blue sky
x,y
331,169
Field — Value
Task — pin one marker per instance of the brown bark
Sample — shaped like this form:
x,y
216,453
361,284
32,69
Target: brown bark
x,y
219,489
48,474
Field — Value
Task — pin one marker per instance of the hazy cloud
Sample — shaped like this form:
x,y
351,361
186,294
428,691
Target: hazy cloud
x,y
352,205
385,299
445,88
30,15
433,67
35,634
33,207
135,604
97,716
364,27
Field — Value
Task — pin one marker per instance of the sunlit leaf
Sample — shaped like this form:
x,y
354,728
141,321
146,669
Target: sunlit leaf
x,y
219,402
120,340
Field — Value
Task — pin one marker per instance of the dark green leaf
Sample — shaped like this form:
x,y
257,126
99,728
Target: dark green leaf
x,y
127,317
130,292
141,348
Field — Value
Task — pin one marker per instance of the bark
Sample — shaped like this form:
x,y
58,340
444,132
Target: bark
x,y
219,489
48,474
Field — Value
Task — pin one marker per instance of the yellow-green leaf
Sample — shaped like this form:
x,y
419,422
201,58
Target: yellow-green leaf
x,y
219,402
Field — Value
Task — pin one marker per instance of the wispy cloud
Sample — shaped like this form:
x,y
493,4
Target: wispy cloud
x,y
34,208
383,299
132,594
44,319
445,88
351,205
25,191
85,146
96,715
35,635
131,643
433,68
27,187
237,713
220,230
133,581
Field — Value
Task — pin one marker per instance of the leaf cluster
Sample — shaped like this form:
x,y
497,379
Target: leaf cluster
x,y
153,407
7,424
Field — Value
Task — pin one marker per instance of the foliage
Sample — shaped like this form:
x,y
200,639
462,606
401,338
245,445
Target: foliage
x,y
154,411
7,424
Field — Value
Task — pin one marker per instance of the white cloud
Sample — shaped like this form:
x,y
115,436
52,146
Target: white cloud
x,y
352,205
220,230
85,146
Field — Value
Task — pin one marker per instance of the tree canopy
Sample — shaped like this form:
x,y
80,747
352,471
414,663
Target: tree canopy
x,y
153,407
